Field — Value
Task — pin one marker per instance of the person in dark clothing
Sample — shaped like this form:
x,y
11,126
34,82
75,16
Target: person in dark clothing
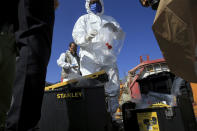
x,y
182,87
7,69
33,22
7,54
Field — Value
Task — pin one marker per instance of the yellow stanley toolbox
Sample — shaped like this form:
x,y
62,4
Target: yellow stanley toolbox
x,y
100,76
161,117
76,105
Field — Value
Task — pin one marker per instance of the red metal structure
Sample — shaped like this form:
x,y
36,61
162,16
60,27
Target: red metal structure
x,y
144,69
148,67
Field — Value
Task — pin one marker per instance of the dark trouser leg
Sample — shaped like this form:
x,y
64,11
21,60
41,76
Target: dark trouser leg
x,y
34,39
27,93
7,70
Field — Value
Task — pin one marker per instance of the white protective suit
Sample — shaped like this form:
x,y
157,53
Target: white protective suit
x,y
84,25
66,61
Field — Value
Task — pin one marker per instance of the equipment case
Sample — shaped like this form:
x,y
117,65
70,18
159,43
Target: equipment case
x,y
75,106
180,117
160,83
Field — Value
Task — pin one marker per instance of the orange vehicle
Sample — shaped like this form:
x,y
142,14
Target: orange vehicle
x,y
194,89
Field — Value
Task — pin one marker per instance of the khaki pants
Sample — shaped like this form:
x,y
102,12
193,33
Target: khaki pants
x,y
7,70
176,32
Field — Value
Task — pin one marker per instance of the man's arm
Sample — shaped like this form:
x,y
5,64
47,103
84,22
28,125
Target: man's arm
x,y
153,3
144,3
79,32
61,62
56,4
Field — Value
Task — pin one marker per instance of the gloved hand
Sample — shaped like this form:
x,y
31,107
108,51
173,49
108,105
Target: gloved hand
x,y
73,66
111,26
91,35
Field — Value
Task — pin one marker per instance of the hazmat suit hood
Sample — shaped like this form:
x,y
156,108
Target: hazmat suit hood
x,y
88,7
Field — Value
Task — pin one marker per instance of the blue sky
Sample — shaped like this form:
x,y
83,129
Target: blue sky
x,y
135,20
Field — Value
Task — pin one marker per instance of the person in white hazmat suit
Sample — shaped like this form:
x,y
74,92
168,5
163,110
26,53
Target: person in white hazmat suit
x,y
69,62
86,34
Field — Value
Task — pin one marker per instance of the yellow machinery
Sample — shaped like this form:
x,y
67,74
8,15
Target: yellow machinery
x,y
194,89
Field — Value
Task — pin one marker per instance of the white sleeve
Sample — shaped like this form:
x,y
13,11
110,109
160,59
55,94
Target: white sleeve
x,y
61,62
79,32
